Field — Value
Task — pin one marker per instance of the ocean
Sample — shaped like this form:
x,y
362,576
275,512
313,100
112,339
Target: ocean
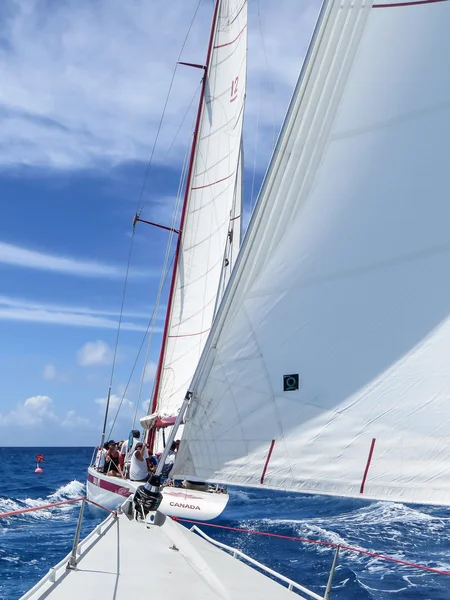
x,y
30,544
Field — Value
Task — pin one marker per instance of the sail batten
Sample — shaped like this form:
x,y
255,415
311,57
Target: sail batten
x,y
210,199
342,279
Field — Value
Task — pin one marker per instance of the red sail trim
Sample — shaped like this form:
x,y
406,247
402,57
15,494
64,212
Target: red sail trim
x,y
267,461
366,470
182,220
200,187
232,41
412,3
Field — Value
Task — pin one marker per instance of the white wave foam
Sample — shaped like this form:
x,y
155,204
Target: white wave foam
x,y
386,519
12,559
239,495
381,513
73,489
69,491
375,527
9,505
6,505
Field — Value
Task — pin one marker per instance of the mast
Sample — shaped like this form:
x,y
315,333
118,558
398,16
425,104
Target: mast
x,y
183,216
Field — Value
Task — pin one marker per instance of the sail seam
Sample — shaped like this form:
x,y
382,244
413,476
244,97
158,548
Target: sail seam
x,y
232,41
190,334
200,187
232,19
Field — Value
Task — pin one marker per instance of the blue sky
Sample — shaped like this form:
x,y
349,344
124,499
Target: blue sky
x,y
82,91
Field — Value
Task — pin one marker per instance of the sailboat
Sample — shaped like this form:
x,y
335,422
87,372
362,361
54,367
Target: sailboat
x,y
209,237
326,370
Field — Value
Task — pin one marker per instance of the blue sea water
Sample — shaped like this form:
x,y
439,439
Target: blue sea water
x,y
31,543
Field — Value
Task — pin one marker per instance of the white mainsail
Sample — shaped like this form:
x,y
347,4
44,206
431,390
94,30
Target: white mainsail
x,y
343,278
208,219
235,231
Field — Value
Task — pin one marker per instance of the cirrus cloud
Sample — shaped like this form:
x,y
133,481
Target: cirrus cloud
x,y
18,256
84,83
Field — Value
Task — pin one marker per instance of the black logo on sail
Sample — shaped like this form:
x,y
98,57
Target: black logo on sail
x,y
290,382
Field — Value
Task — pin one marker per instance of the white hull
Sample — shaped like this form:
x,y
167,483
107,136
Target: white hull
x,y
177,502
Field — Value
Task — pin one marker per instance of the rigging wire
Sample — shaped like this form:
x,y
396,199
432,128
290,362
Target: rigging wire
x,y
258,109
182,123
158,131
164,273
139,211
133,369
116,345
272,94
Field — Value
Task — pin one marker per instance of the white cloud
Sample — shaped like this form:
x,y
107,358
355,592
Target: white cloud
x,y
41,406
13,309
35,411
121,413
84,82
49,372
150,371
39,412
95,353
73,421
33,259
116,401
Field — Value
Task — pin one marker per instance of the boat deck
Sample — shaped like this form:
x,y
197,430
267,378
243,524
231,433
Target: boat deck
x,y
129,560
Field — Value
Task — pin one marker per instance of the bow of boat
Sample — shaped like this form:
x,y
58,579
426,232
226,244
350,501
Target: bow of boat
x,y
124,558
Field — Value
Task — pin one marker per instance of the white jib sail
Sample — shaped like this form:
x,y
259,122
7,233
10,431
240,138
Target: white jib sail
x,y
343,278
208,221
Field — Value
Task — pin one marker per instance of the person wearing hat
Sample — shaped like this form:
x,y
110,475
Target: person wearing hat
x,y
112,460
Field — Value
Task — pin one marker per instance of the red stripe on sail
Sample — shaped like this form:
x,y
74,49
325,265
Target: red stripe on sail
x,y
412,3
200,187
232,41
267,461
366,470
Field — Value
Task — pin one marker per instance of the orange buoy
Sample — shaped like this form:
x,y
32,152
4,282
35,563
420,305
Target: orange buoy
x,y
39,459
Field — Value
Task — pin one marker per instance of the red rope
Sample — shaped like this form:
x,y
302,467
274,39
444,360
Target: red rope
x,y
319,543
43,506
